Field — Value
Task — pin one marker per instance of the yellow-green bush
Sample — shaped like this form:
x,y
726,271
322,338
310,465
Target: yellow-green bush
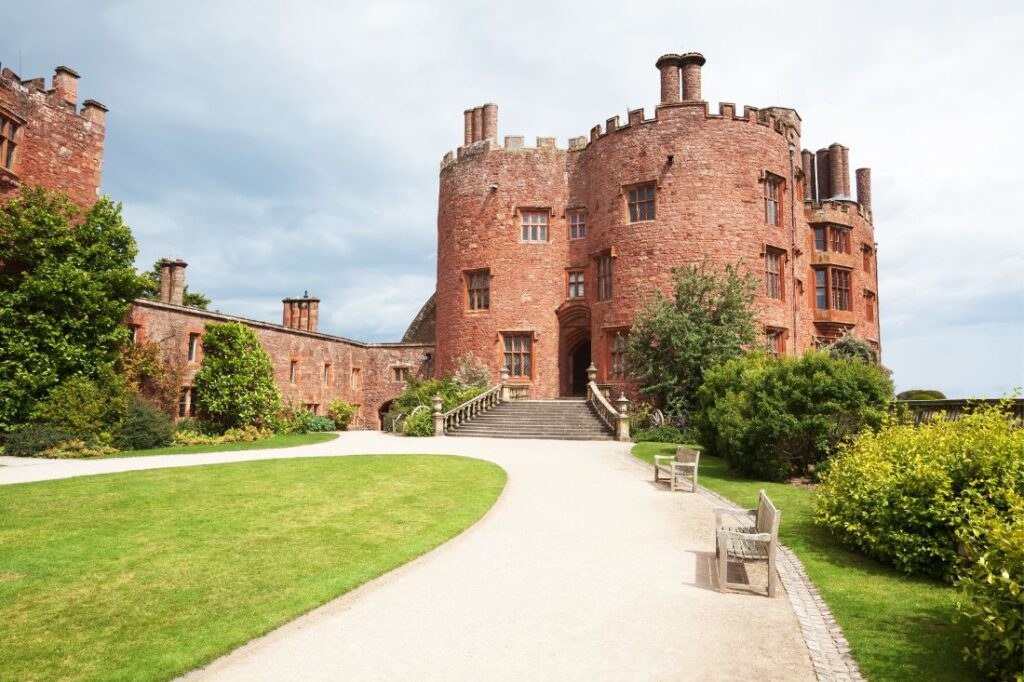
x,y
944,499
247,434
76,449
341,412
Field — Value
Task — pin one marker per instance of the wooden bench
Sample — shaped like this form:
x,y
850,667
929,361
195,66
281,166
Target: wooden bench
x,y
677,466
739,539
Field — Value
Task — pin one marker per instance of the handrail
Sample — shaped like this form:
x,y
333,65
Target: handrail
x,y
604,409
471,408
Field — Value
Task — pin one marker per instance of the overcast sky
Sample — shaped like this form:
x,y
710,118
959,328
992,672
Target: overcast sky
x,y
280,147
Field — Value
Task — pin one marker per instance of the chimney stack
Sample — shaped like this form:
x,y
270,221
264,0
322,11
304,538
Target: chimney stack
x,y
864,188
172,281
478,124
490,121
824,174
668,65
301,313
807,162
690,64
65,85
467,127
835,161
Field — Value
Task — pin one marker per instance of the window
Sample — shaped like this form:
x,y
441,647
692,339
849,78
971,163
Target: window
x,y
575,284
8,129
314,408
820,238
478,289
577,225
293,371
183,402
518,355
641,204
776,339
832,289
839,241
604,277
617,347
868,253
327,374
869,306
771,199
357,378
400,374
773,273
535,226
193,347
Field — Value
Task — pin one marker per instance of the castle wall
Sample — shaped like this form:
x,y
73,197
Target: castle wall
x,y
58,146
374,383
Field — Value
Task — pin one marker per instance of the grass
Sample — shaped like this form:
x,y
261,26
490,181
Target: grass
x,y
285,440
899,627
146,575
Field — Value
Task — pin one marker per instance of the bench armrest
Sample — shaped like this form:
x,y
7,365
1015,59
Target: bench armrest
x,y
684,465
722,511
658,458
757,537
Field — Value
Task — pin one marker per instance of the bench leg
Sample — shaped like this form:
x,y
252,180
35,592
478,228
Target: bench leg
x,y
656,479
722,564
771,571
695,480
672,482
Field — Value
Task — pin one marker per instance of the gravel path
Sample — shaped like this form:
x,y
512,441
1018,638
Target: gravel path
x,y
583,570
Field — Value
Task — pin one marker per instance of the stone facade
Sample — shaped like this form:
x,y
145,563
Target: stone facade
x,y
55,144
711,173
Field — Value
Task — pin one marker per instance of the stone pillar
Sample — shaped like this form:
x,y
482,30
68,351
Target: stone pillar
x,y
668,65
438,417
691,63
864,188
490,122
65,85
622,428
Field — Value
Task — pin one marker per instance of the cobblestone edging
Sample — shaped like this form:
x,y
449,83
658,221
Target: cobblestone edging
x,y
829,650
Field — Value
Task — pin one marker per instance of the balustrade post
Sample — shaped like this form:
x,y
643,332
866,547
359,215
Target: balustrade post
x,y
506,388
622,429
591,373
438,417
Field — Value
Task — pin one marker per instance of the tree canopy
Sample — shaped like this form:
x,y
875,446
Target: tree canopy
x,y
192,299
235,386
67,280
709,320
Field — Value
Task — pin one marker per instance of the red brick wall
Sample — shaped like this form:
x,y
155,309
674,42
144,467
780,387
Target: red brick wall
x,y
710,204
59,147
169,326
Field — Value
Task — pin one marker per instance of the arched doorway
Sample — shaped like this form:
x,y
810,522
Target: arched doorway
x,y
573,348
579,360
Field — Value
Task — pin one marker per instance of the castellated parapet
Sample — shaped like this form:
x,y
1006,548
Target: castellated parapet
x,y
46,139
727,184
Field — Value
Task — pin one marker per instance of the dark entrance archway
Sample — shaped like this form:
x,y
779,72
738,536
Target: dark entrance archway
x,y
579,360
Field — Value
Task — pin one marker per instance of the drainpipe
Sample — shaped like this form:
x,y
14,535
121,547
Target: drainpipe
x,y
792,250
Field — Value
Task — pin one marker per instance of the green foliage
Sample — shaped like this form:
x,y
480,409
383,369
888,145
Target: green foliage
x,y
992,594
76,449
709,321
201,426
235,386
850,347
320,424
420,424
945,499
66,283
144,427
341,412
921,394
472,372
666,433
91,409
640,416
31,441
421,393
775,418
293,417
245,434
192,299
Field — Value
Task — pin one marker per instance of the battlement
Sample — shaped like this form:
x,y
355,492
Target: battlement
x,y
63,92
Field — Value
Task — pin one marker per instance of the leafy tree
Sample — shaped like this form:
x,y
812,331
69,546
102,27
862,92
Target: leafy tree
x,y
92,409
709,321
235,386
850,347
921,394
192,299
67,281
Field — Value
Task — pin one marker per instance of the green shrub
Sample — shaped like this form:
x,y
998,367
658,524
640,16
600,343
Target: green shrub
x,y
319,424
246,434
640,416
910,496
293,417
850,347
419,424
422,393
235,386
31,441
666,433
200,426
144,427
76,449
341,412
921,394
775,418
89,408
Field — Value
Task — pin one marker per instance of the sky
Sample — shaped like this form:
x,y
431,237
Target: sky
x,y
283,147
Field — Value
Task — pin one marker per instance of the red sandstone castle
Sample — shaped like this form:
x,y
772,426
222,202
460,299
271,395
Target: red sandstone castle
x,y
544,254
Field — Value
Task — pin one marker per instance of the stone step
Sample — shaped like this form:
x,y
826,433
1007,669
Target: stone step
x,y
564,419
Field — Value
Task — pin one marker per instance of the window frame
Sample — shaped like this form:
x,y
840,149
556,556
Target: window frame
x,y
605,280
778,292
293,372
618,349
328,374
356,378
772,194
478,295
400,374
9,129
776,337
836,288
642,209
577,224
576,290
870,306
193,345
836,238
869,253
523,369
529,228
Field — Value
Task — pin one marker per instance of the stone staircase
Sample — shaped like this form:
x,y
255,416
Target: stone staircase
x,y
565,419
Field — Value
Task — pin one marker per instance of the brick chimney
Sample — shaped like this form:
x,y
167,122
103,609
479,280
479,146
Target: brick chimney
x,y
835,159
301,313
490,121
807,162
65,85
824,174
172,281
468,127
668,65
864,188
690,64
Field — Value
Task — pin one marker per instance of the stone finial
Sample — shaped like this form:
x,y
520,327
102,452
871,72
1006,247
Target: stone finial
x,y
591,373
623,404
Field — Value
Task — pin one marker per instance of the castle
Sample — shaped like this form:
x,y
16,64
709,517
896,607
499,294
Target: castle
x,y
544,254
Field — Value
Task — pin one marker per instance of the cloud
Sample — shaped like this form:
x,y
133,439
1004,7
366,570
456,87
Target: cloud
x,y
283,147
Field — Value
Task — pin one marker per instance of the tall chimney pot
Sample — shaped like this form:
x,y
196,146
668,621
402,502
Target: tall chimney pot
x,y
690,64
668,65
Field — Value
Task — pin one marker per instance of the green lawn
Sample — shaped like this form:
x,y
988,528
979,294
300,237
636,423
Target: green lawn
x,y
146,575
899,627
285,440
